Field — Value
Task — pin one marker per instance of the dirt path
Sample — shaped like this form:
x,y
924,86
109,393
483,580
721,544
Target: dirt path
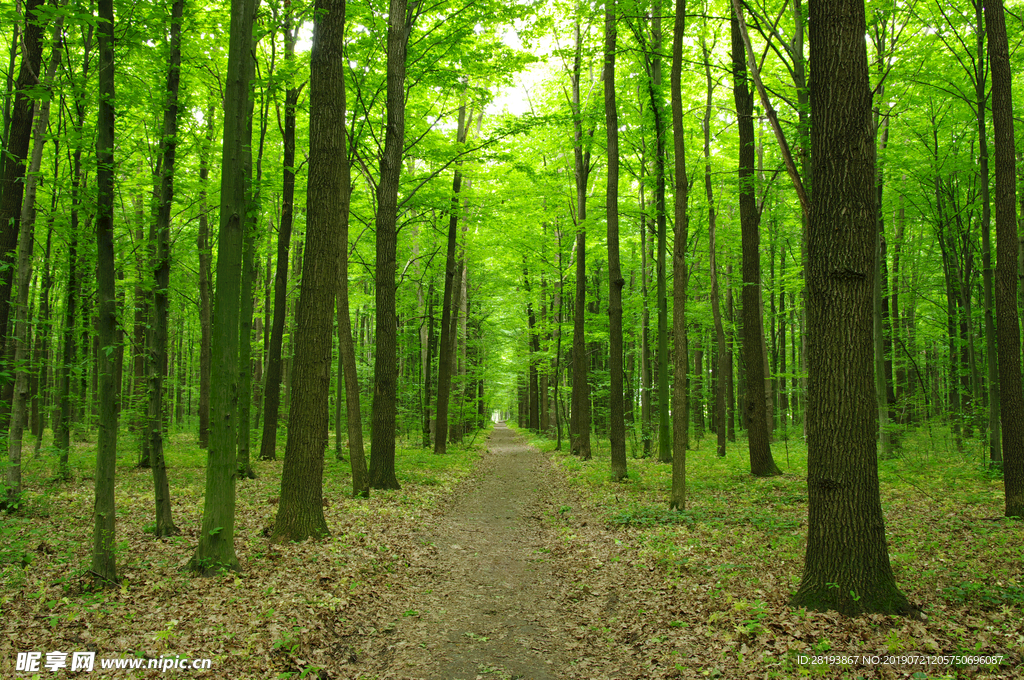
x,y
487,604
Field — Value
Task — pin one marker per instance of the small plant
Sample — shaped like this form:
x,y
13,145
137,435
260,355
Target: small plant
x,y
288,641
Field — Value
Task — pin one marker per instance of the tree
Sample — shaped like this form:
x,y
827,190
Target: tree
x,y
579,429
615,280
12,176
1007,314
272,393
847,560
104,567
216,547
382,438
680,394
762,464
452,267
26,243
160,246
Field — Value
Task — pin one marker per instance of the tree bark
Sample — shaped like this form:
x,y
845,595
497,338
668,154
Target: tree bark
x,y
762,464
15,156
680,393
1007,313
216,549
579,430
205,265
160,254
451,269
300,513
272,389
847,559
382,439
104,568
716,310
617,429
26,245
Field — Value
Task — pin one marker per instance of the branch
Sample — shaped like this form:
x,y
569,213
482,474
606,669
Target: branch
x,y
773,118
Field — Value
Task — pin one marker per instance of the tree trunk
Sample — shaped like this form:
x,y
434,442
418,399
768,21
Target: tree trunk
x,y
451,269
382,438
160,253
665,450
847,559
762,464
1007,246
994,432
272,386
617,429
216,549
26,244
680,393
104,568
12,177
205,264
62,428
300,513
716,311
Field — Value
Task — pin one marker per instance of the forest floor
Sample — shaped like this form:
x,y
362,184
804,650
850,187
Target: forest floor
x,y
508,560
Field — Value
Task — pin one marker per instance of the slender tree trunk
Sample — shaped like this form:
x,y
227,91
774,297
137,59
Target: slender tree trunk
x,y
272,388
104,568
730,386
847,559
1007,246
216,549
716,311
42,359
680,393
382,438
994,431
160,253
617,430
665,450
62,428
762,464
452,268
205,268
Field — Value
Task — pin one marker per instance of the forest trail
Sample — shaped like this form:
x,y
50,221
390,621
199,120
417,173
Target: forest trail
x,y
488,603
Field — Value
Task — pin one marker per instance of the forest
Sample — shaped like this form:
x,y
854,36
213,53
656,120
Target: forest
x,y
691,329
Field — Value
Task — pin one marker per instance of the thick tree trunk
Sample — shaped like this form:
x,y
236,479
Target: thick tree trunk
x,y
680,393
300,513
104,568
755,411
216,549
26,244
617,425
1007,246
382,438
13,161
847,559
